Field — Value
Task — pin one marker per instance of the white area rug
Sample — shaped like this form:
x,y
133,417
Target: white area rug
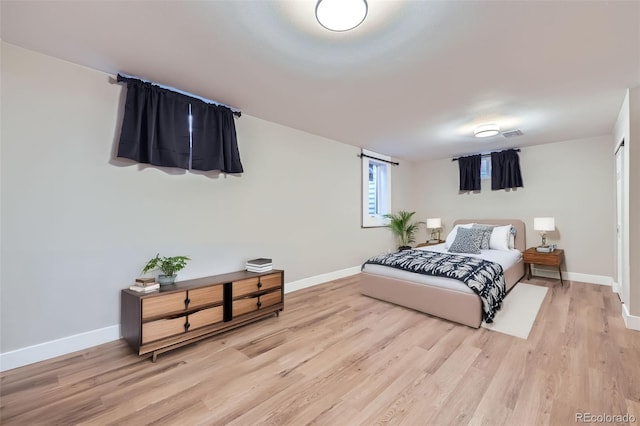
x,y
519,310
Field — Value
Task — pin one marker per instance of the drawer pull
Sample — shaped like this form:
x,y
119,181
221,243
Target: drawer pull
x,y
259,304
259,285
186,326
186,303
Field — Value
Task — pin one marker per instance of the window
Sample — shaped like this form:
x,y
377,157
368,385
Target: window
x,y
376,189
485,167
168,128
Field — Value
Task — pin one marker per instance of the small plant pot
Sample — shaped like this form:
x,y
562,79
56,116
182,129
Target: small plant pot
x,y
403,248
167,279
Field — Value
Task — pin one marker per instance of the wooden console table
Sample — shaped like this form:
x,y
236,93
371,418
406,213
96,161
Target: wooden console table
x,y
188,311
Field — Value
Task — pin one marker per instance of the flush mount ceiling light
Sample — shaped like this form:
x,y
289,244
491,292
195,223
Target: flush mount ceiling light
x,y
486,130
341,15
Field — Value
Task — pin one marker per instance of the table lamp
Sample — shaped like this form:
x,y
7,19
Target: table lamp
x,y
434,224
544,225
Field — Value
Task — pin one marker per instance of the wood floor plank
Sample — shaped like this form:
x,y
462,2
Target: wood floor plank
x,y
535,400
336,357
460,410
433,388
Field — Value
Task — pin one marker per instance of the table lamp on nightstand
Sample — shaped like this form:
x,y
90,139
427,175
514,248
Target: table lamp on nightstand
x,y
544,225
434,224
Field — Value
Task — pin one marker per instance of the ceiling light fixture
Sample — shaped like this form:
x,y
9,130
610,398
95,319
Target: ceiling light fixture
x,y
341,15
486,130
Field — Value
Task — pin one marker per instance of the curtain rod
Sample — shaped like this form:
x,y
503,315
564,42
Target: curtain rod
x,y
124,77
379,159
489,153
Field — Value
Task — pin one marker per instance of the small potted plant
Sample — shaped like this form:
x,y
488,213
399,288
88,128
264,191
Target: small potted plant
x,y
168,266
401,226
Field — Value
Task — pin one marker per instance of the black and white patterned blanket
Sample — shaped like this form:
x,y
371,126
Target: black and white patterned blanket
x,y
485,278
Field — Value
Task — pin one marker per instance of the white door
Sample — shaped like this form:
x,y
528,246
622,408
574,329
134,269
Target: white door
x,y
622,284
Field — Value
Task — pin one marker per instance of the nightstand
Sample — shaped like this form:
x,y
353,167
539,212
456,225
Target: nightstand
x,y
429,244
554,258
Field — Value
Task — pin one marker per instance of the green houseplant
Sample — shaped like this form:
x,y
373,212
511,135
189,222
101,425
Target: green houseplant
x,y
402,228
168,266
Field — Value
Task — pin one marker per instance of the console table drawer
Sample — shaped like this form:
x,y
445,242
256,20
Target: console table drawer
x,y
270,299
205,296
161,305
244,287
271,281
250,304
162,328
244,306
205,317
240,288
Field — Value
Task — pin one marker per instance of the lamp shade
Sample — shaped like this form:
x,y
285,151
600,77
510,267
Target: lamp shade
x,y
544,224
434,223
341,15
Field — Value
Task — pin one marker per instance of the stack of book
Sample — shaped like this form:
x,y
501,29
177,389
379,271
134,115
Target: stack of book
x,y
259,265
144,285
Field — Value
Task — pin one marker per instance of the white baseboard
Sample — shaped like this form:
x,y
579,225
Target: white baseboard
x,y
320,279
54,348
66,345
574,276
632,322
615,287
78,342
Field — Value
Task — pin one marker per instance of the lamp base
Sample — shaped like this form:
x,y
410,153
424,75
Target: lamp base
x,y
545,249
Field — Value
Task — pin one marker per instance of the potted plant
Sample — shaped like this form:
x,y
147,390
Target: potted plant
x,y
401,226
168,266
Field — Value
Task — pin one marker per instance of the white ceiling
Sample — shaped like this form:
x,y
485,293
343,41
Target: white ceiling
x,y
412,81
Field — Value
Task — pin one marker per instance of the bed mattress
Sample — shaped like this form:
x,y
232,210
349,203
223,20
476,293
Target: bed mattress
x,y
506,259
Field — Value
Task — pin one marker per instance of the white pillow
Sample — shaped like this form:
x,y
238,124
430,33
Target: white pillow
x,y
452,235
500,238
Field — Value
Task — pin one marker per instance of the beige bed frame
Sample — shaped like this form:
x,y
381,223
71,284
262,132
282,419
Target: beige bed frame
x,y
453,305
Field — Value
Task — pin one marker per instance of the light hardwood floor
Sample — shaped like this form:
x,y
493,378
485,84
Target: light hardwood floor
x,y
334,357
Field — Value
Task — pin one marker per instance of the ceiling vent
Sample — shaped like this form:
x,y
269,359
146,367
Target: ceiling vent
x,y
512,133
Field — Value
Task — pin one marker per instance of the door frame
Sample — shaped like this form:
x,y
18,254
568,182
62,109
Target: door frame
x,y
622,287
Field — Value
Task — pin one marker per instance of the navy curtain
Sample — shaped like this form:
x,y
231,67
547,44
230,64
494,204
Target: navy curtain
x,y
505,170
215,146
470,172
155,130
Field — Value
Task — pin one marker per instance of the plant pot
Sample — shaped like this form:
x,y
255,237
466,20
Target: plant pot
x,y
167,279
403,248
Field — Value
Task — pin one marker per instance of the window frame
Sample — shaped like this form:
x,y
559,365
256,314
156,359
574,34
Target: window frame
x,y
376,220
485,161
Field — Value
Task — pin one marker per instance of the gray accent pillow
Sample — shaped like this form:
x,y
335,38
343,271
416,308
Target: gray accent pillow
x,y
465,242
484,234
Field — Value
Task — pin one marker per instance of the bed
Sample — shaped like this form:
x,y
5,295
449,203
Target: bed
x,y
442,297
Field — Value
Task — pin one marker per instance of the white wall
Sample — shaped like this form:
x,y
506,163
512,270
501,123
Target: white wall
x,y
77,225
570,181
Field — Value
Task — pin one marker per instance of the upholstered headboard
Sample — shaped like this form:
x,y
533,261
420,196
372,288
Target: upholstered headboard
x,y
521,232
